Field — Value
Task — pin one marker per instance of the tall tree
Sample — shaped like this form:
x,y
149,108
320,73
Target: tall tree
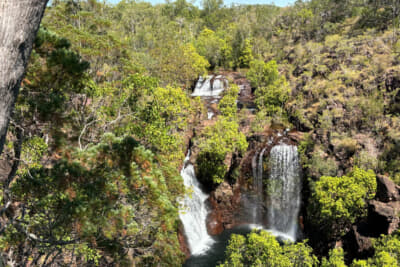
x,y
19,22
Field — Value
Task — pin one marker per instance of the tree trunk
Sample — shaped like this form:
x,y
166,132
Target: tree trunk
x,y
19,22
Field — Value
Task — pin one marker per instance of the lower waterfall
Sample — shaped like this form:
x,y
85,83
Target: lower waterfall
x,y
193,212
284,190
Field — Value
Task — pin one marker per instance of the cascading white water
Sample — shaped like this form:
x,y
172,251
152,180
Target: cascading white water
x,y
284,189
193,212
212,86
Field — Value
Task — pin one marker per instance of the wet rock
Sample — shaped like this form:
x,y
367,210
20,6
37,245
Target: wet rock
x,y
214,223
224,201
387,190
183,242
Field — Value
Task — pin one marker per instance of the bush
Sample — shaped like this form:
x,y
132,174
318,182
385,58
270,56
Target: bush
x,y
227,105
336,259
261,73
273,97
272,89
338,202
262,249
215,142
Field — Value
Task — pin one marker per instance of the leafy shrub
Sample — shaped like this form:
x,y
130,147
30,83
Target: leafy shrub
x,y
262,74
335,259
262,249
227,105
215,142
273,97
337,202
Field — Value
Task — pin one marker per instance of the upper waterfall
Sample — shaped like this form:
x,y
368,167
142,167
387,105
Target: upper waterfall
x,y
284,189
193,212
211,86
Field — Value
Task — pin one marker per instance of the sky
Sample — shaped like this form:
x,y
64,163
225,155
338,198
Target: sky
x,y
229,2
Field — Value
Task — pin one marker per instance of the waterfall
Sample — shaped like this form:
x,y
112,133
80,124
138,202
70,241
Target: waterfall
x,y
211,86
284,189
193,212
258,169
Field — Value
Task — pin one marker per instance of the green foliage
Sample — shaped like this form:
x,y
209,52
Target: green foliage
x,y
273,97
262,249
32,152
215,143
227,105
262,74
261,120
117,178
272,89
246,55
387,251
365,160
304,148
300,254
212,47
337,202
55,73
163,119
179,64
336,258
359,263
211,169
224,137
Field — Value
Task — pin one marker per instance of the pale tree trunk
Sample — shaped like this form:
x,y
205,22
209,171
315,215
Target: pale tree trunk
x,y
19,22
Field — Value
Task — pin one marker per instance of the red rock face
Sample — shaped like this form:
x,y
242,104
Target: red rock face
x,y
183,242
215,223
224,202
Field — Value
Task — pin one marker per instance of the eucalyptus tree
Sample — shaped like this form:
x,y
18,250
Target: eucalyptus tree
x,y
19,22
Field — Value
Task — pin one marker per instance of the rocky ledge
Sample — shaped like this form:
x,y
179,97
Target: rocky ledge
x,y
382,219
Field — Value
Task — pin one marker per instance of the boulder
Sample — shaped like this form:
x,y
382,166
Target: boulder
x,y
387,190
224,193
224,201
215,223
357,245
383,217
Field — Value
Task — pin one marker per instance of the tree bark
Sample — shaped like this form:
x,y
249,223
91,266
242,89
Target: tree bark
x,y
19,22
